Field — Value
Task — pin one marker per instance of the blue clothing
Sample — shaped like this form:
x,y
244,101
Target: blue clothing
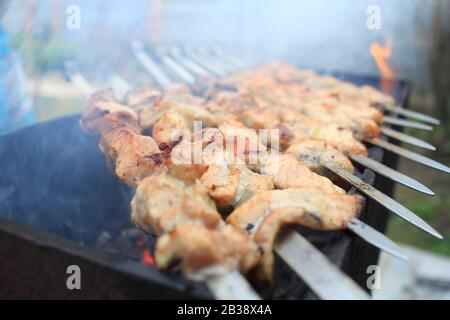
x,y
15,101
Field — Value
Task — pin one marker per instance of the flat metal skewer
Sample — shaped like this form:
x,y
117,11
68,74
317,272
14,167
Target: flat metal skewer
x,y
179,70
392,174
406,123
400,136
376,238
409,154
189,64
76,78
411,114
147,62
386,201
207,64
327,281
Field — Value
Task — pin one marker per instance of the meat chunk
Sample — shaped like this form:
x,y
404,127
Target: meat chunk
x,y
231,185
179,120
288,172
192,248
104,113
131,155
342,139
314,154
162,203
263,215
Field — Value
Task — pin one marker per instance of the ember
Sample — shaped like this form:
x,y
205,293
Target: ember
x,y
147,258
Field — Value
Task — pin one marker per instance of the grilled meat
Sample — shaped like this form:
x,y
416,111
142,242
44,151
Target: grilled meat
x,y
263,215
193,248
162,203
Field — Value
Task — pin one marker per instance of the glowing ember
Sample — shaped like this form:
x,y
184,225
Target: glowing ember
x,y
147,258
381,55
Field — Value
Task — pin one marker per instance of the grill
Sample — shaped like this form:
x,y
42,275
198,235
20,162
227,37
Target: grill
x,y
61,206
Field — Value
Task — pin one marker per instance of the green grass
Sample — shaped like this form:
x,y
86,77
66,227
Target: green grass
x,y
434,210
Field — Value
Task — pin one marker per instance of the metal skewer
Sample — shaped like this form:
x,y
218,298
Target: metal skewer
x,y
189,64
327,281
409,155
392,174
206,63
74,76
175,67
411,114
386,201
147,62
376,239
406,123
400,136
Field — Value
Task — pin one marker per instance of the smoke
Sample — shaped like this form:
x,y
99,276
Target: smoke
x,y
327,35
55,178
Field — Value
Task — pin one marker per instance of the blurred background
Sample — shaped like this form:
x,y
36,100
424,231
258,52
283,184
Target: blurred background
x,y
329,35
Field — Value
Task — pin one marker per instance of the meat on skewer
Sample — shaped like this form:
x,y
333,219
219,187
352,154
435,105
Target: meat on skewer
x,y
165,205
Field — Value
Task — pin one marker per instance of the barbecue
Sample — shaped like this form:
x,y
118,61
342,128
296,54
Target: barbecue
x,y
287,188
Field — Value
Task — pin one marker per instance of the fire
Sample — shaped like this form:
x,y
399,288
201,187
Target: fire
x,y
381,55
147,258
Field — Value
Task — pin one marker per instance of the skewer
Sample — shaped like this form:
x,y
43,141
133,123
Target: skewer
x,y
400,136
392,174
386,201
234,64
406,123
206,63
223,65
76,78
328,282
409,155
189,64
147,62
175,67
376,239
229,285
121,84
411,114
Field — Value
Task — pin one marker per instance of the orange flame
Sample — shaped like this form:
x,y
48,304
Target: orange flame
x,y
147,258
381,55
